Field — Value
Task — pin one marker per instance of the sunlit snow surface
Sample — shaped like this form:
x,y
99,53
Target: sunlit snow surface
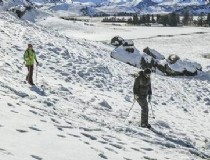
x,y
78,106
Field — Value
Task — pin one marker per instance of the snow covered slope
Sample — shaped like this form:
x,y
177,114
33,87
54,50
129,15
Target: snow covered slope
x,y
111,7
78,107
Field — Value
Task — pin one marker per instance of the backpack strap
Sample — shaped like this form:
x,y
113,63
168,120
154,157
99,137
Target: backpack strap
x,y
28,52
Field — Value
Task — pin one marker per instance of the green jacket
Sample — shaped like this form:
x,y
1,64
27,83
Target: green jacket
x,y
30,57
142,85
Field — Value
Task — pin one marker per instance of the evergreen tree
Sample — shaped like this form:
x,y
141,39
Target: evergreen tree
x,y
208,19
141,19
201,19
191,19
147,18
186,17
178,18
135,19
130,21
163,20
172,19
144,19
158,18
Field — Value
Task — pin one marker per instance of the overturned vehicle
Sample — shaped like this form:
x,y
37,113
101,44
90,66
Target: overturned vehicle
x,y
150,58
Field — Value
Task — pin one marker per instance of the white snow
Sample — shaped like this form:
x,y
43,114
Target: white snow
x,y
156,54
121,54
180,66
78,108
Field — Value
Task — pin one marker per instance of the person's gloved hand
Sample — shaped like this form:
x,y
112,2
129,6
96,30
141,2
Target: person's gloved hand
x,y
149,98
136,97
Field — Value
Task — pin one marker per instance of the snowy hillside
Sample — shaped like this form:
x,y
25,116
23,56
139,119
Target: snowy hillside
x,y
78,108
195,10
135,2
111,7
142,7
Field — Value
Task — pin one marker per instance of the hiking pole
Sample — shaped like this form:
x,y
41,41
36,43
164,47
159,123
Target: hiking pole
x,y
130,109
36,72
153,115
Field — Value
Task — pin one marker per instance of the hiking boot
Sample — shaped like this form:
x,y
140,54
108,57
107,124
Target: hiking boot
x,y
146,126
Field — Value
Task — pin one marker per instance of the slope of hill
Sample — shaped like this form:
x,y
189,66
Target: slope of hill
x,y
78,107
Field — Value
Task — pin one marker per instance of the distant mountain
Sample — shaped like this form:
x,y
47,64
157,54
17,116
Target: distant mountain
x,y
110,2
148,6
146,3
178,6
104,7
140,3
194,10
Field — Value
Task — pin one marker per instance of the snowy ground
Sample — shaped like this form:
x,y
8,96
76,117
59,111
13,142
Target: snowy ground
x,y
82,96
183,41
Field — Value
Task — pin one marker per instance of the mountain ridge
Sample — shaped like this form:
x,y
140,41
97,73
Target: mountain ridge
x,y
97,7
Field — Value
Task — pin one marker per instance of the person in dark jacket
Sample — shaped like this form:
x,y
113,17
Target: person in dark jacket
x,y
142,89
30,58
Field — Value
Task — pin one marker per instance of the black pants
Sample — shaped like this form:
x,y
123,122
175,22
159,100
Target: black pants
x,y
142,100
29,77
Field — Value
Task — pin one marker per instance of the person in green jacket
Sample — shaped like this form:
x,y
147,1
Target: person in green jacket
x,y
142,89
30,58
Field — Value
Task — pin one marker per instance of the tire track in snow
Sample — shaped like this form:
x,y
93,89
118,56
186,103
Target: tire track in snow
x,y
160,36
171,35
